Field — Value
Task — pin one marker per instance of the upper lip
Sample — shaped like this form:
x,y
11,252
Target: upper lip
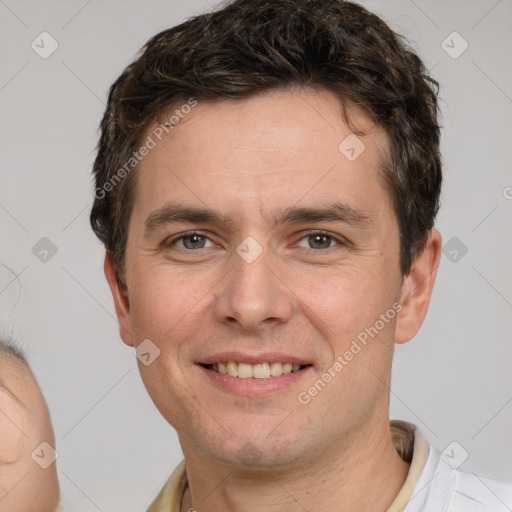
x,y
243,357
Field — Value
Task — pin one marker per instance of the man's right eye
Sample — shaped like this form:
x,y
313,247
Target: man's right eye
x,y
189,241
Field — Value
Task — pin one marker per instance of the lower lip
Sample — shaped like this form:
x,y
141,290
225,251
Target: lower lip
x,y
251,386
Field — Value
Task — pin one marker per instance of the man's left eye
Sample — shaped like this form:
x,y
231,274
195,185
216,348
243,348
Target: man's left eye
x,y
320,240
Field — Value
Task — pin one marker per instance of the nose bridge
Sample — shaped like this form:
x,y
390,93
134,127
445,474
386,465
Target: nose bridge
x,y
252,294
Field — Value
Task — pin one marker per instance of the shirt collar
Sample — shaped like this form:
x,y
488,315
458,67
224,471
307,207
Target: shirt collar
x,y
406,437
413,448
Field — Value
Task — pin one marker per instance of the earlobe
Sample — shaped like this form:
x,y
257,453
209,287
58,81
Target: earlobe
x,y
417,289
121,302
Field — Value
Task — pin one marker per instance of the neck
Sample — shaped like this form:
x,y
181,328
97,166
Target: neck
x,y
364,476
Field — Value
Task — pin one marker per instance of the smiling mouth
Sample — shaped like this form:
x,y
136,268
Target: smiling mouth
x,y
254,371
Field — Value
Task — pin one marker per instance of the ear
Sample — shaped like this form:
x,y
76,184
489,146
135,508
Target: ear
x,y
417,289
121,302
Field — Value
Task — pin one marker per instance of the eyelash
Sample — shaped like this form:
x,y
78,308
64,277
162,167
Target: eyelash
x,y
171,241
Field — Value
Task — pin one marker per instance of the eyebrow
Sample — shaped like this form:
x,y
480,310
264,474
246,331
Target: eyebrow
x,y
334,212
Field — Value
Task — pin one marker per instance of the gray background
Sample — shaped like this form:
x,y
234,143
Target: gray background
x,y
115,450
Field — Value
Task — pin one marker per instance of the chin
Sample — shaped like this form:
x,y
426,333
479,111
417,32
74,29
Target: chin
x,y
254,453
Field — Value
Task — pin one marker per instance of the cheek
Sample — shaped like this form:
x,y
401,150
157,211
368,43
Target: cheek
x,y
169,308
165,301
344,301
164,309
12,422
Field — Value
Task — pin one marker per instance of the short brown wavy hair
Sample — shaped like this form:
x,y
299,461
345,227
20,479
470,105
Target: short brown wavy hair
x,y
249,46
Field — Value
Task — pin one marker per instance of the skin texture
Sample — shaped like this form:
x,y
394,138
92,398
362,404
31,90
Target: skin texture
x,y
248,159
24,424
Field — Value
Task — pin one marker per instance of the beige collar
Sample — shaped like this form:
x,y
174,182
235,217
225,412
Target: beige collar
x,y
407,439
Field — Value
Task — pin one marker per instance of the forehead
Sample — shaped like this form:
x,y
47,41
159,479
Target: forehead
x,y
282,145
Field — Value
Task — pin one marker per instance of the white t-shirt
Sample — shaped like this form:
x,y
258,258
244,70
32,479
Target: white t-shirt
x,y
441,488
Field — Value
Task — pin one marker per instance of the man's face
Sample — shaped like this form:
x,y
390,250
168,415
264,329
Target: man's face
x,y
317,284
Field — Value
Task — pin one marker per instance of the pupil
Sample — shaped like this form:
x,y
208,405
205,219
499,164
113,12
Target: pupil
x,y
316,239
193,239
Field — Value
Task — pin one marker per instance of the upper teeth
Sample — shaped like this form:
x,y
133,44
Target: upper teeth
x,y
256,371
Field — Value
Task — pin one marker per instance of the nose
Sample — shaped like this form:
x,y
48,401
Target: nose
x,y
253,296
